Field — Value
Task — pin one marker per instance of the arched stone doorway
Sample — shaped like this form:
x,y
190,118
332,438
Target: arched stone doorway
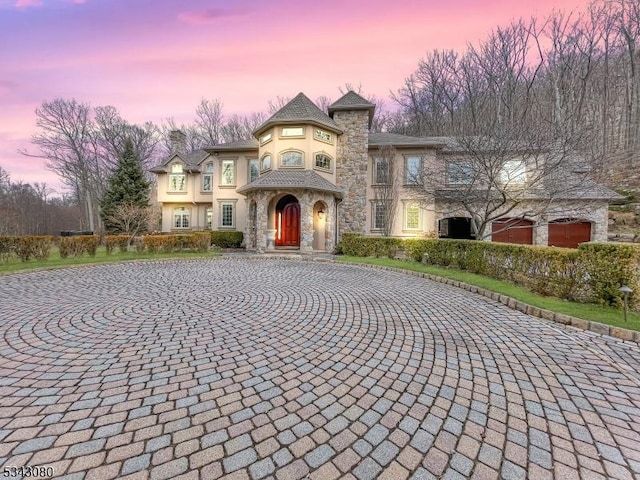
x,y
287,222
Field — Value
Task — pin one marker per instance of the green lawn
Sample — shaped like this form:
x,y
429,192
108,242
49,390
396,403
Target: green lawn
x,y
54,260
596,313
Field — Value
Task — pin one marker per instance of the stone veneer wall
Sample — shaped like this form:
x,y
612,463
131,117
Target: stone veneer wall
x,y
351,169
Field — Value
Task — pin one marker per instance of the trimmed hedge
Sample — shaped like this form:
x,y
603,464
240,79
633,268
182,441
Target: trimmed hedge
x,y
225,239
78,246
25,248
198,241
592,273
113,241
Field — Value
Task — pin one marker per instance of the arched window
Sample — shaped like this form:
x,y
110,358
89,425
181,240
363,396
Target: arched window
x,y
265,162
291,158
322,161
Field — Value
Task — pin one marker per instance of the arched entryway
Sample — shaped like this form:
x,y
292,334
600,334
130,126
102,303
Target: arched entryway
x,y
455,227
288,222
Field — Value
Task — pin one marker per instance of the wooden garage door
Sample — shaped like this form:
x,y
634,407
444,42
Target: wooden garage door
x,y
512,230
569,234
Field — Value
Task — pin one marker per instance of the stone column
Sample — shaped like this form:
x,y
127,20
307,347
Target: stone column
x,y
262,217
306,222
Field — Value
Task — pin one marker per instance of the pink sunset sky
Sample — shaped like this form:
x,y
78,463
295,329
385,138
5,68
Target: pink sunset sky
x,y
153,59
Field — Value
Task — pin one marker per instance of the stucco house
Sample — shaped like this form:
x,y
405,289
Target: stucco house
x,y
308,177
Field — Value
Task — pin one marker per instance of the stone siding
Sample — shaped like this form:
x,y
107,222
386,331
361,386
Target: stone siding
x,y
351,169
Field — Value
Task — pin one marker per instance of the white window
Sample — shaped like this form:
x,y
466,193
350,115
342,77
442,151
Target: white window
x,y
228,173
177,178
291,159
181,217
208,218
323,135
412,217
513,172
460,173
292,131
379,215
227,213
265,138
323,161
412,170
265,163
380,171
254,170
207,177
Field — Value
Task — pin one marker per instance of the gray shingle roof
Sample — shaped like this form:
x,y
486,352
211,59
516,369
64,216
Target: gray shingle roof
x,y
397,140
299,110
191,161
352,101
291,179
249,144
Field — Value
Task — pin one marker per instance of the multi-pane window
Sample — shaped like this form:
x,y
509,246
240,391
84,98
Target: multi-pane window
x,y
227,173
322,135
208,218
207,177
265,163
412,170
181,217
227,214
254,170
323,161
177,178
460,173
380,171
379,215
412,217
291,159
513,172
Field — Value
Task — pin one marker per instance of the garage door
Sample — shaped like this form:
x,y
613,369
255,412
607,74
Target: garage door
x,y
512,230
568,234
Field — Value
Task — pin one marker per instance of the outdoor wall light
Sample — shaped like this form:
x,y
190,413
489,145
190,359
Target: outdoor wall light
x,y
626,291
320,213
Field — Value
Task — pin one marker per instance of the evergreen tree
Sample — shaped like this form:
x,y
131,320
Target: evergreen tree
x,y
127,189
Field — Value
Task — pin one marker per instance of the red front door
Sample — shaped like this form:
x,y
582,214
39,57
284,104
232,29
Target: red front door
x,y
289,226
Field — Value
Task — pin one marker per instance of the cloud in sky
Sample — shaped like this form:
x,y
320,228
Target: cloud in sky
x,y
28,3
208,16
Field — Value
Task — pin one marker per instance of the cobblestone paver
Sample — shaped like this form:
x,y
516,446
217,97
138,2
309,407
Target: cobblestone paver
x,y
275,369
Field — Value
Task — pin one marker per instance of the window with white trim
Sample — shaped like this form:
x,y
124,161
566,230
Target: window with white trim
x,y
265,162
291,158
254,170
513,172
460,172
227,173
207,177
177,178
322,161
208,218
322,135
265,138
181,217
380,171
412,170
378,215
292,132
227,213
412,217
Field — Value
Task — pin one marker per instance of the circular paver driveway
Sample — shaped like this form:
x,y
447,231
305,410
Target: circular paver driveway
x,y
294,369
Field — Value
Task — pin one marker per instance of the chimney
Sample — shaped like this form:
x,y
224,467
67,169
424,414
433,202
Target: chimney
x,y
178,141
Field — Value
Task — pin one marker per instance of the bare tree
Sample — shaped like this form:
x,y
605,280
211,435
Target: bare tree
x,y
209,121
133,219
385,189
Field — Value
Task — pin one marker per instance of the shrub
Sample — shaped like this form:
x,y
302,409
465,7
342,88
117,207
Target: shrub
x,y
78,246
6,248
225,239
198,241
359,246
113,241
38,247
